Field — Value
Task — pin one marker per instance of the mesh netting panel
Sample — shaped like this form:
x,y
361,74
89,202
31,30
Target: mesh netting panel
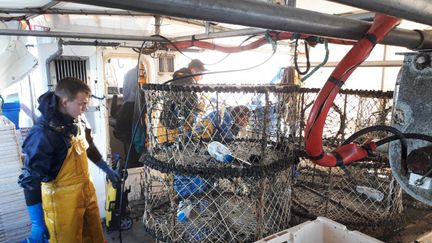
x,y
364,195
230,201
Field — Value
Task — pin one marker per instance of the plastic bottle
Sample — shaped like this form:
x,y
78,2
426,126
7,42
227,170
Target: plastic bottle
x,y
220,152
371,193
184,210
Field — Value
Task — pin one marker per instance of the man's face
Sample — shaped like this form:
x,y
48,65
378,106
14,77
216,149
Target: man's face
x,y
198,77
75,107
242,120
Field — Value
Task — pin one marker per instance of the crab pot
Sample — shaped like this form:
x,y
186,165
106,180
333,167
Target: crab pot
x,y
363,195
192,196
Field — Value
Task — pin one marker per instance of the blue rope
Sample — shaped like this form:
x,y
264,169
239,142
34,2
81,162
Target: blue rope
x,y
98,98
295,36
270,40
319,65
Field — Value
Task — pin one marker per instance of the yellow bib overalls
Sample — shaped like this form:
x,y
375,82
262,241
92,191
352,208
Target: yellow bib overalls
x,y
69,202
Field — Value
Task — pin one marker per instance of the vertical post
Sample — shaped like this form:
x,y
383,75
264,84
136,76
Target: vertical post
x,y
265,125
173,207
157,24
343,118
302,116
260,208
329,188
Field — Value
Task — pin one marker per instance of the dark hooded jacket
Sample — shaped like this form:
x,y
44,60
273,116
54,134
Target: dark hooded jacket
x,y
46,147
179,104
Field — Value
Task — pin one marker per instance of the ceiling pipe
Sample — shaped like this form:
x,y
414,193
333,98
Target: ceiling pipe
x,y
54,34
59,11
39,11
419,11
79,35
48,61
91,43
267,16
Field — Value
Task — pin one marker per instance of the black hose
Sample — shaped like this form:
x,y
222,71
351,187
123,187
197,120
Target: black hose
x,y
307,58
134,131
407,135
398,134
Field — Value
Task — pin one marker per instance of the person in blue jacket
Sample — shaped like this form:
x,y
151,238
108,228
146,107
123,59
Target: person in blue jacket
x,y
216,126
59,193
223,126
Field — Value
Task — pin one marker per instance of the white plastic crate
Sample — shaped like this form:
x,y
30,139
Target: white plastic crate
x,y
14,220
321,230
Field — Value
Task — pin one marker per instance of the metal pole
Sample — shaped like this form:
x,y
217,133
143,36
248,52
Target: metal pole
x,y
57,11
268,16
419,11
79,35
157,19
54,34
48,61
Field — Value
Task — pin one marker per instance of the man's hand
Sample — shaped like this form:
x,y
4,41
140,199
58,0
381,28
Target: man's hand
x,y
113,176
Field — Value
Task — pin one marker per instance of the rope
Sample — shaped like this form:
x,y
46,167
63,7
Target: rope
x,y
319,65
270,40
307,58
98,98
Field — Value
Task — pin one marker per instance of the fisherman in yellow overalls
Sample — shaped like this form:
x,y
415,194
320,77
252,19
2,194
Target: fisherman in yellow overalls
x,y
55,174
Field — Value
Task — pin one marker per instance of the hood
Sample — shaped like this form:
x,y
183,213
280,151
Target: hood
x,y
48,104
50,114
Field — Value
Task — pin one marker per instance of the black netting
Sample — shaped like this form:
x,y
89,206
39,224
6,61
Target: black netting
x,y
252,196
238,200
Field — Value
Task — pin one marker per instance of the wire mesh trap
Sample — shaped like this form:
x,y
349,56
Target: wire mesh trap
x,y
364,195
191,195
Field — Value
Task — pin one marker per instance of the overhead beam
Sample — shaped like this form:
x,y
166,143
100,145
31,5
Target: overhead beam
x,y
268,16
43,8
419,11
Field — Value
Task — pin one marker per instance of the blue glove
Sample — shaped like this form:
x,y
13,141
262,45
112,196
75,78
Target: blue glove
x,y
113,176
39,232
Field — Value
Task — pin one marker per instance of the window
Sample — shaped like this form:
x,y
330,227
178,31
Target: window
x,y
166,63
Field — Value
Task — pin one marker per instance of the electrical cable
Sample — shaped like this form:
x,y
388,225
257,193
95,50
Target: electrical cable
x,y
307,58
407,136
214,63
226,71
227,55
147,50
319,65
124,177
396,132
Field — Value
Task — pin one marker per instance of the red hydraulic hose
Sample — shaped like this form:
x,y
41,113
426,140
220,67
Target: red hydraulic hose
x,y
315,124
253,45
